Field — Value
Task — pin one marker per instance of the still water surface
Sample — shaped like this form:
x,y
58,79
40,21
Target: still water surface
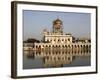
x,y
33,60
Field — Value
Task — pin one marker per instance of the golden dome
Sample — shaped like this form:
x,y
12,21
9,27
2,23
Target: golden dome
x,y
57,21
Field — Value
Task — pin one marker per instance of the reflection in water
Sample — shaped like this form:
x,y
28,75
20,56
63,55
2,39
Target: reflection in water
x,y
56,58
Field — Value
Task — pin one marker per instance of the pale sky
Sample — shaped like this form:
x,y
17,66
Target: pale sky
x,y
78,24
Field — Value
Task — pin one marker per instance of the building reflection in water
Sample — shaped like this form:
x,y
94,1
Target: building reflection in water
x,y
57,57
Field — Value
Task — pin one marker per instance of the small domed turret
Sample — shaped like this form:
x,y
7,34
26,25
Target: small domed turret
x,y
45,31
57,21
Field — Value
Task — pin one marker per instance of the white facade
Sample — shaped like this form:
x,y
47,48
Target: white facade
x,y
64,39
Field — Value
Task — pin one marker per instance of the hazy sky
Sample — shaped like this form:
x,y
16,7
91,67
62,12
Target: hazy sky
x,y
78,24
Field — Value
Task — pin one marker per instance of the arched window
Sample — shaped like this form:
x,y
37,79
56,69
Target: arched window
x,y
51,40
66,46
62,39
56,53
63,46
62,52
58,40
65,40
47,40
59,45
36,46
68,39
54,39
58,58
89,46
39,46
49,45
46,45
56,46
69,46
68,58
54,58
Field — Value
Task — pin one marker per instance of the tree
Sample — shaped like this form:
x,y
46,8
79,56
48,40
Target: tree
x,y
32,40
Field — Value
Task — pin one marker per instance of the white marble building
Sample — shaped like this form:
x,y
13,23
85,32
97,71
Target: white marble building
x,y
58,39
